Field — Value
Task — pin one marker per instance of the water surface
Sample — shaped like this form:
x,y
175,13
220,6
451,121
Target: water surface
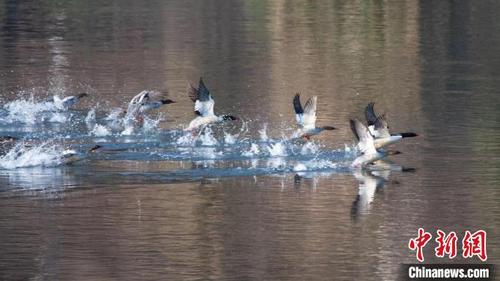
x,y
238,205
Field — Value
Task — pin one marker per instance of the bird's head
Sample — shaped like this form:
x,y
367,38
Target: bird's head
x,y
229,118
82,95
393,152
167,101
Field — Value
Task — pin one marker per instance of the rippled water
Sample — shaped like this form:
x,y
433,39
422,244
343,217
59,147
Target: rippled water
x,y
242,201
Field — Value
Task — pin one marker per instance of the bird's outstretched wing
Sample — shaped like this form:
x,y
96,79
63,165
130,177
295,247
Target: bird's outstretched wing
x,y
309,118
365,139
203,101
305,116
380,128
370,115
201,93
299,111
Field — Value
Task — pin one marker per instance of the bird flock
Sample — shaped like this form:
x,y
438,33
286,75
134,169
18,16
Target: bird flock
x,y
372,137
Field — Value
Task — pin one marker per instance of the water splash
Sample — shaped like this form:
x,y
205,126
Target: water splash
x,y
263,133
115,114
151,124
253,151
310,148
128,131
230,139
187,139
28,111
277,149
46,154
59,117
114,119
315,165
90,119
132,125
100,131
207,138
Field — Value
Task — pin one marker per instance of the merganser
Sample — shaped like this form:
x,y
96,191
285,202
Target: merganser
x,y
144,102
204,107
377,125
66,102
70,156
306,117
366,145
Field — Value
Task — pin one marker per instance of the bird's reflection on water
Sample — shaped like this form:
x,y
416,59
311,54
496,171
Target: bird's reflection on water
x,y
372,181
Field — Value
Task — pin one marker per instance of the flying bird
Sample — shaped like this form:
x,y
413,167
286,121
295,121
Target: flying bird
x,y
366,144
306,117
143,102
204,107
379,129
66,102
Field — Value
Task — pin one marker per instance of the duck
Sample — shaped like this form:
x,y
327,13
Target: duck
x,y
379,129
204,108
66,102
145,101
366,145
70,156
17,149
306,118
141,103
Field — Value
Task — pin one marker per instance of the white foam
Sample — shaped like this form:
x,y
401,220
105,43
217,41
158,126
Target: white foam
x,y
314,165
151,124
230,139
100,131
276,163
130,125
58,117
27,110
277,149
207,153
186,139
114,115
310,148
45,154
129,130
253,151
90,119
300,167
207,138
263,133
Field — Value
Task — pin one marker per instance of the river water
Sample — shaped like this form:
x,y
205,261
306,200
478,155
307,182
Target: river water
x,y
241,201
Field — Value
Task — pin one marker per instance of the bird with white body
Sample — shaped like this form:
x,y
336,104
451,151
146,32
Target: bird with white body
x,y
379,129
66,102
306,118
366,145
145,101
204,108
